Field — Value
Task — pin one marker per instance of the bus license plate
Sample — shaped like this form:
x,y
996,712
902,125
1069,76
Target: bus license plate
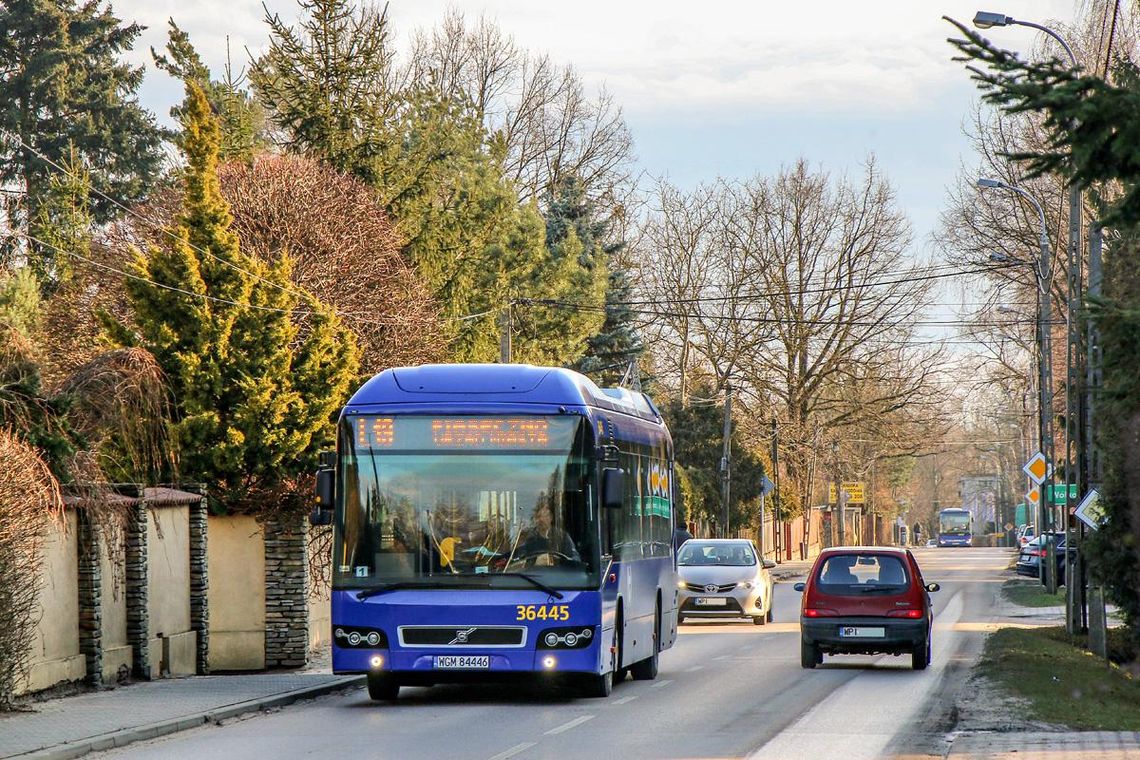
x,y
861,632
712,601
462,662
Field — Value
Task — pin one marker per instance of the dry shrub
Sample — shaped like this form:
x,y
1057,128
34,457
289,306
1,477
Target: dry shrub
x,y
29,500
345,250
120,407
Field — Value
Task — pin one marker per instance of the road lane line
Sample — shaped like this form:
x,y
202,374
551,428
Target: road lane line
x,y
694,669
846,725
514,750
571,724
625,700
661,684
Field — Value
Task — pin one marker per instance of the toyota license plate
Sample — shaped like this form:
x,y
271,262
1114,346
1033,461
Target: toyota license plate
x,y
711,601
462,662
861,632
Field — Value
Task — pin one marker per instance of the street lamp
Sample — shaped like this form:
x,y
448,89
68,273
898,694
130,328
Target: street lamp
x,y
1079,435
987,20
1043,273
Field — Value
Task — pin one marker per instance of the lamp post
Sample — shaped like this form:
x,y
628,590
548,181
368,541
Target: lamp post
x,y
1078,429
1043,276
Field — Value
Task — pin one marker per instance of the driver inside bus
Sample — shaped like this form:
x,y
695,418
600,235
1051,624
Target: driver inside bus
x,y
545,541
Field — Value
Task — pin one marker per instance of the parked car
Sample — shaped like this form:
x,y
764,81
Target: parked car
x,y
931,542
1029,558
865,600
723,576
1025,534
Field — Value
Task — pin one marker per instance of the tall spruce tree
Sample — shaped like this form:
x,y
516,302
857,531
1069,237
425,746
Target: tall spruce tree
x,y
63,88
327,83
616,344
240,116
254,396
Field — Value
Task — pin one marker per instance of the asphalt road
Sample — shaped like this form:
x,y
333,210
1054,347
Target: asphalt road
x,y
727,689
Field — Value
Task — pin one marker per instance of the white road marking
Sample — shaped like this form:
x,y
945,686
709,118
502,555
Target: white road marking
x,y
625,700
858,720
694,669
661,684
569,725
514,750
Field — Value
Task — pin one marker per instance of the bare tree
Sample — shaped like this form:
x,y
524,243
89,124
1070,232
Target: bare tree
x,y
796,289
549,126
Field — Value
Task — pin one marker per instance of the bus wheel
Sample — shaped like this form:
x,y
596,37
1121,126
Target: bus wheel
x,y
646,670
383,687
603,685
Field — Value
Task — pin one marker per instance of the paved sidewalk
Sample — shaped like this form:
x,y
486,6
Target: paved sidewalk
x,y
1046,745
73,726
790,569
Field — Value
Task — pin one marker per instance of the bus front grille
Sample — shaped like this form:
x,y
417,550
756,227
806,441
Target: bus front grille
x,y
462,636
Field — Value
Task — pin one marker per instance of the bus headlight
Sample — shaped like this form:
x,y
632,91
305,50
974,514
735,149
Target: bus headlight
x,y
569,637
355,637
376,662
549,662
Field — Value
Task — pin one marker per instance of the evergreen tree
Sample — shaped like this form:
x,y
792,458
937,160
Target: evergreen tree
x,y
611,349
241,118
62,224
63,88
327,84
698,430
254,399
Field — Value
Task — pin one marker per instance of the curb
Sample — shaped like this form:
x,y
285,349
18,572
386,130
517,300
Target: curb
x,y
126,736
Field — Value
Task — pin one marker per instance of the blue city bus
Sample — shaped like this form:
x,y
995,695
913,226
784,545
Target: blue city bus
x,y
496,520
955,527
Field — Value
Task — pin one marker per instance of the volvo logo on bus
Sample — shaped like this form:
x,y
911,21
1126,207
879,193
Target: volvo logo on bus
x,y
461,636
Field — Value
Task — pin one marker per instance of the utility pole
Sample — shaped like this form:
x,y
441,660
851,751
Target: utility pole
x,y
1092,612
726,457
505,326
840,506
776,493
1044,342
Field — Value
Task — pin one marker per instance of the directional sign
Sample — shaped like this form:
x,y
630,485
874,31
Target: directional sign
x,y
1033,496
1090,511
766,486
1057,493
855,490
1038,468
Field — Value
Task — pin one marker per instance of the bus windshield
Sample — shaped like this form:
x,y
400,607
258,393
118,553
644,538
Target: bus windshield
x,y
954,523
466,502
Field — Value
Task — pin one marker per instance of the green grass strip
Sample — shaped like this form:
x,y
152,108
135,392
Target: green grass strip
x,y
1032,594
1063,683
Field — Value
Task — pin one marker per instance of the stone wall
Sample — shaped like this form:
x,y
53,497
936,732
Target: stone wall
x,y
286,595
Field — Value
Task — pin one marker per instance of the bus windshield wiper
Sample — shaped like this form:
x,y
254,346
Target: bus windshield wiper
x,y
368,593
537,583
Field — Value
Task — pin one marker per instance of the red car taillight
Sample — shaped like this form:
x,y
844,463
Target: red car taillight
x,y
820,612
912,614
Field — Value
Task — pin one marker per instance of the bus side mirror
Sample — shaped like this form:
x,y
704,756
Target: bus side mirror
x,y
613,488
325,489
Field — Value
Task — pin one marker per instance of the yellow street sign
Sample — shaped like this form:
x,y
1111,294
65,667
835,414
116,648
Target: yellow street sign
x,y
855,490
1038,468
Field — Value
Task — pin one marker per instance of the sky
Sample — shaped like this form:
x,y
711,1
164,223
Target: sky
x,y
726,88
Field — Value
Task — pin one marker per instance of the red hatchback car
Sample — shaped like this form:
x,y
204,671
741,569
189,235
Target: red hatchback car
x,y
865,600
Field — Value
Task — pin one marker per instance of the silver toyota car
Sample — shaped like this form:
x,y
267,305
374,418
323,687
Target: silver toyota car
x,y
720,577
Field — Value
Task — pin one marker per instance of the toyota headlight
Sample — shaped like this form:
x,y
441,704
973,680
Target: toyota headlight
x,y
744,584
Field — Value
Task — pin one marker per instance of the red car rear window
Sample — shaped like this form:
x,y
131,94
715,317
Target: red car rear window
x,y
861,574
